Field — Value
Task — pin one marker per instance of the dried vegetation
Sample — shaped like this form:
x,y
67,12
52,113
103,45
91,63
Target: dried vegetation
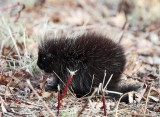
x,y
23,23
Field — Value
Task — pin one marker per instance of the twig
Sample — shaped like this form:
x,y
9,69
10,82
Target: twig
x,y
108,81
121,110
147,98
141,115
90,88
19,13
123,28
121,98
104,104
114,92
8,88
103,94
18,4
104,77
103,91
58,98
3,105
83,108
13,39
43,102
95,90
13,6
17,113
65,89
63,83
119,102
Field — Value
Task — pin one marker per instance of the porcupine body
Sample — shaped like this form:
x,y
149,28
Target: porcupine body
x,y
90,54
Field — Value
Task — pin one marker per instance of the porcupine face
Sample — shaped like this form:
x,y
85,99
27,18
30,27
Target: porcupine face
x,y
55,55
46,57
44,62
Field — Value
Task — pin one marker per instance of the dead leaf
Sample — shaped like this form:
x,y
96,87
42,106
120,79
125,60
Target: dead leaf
x,y
140,94
3,106
46,94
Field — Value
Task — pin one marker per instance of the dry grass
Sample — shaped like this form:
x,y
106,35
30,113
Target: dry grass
x,y
22,29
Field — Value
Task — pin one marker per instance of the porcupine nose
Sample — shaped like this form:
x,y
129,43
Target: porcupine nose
x,y
40,65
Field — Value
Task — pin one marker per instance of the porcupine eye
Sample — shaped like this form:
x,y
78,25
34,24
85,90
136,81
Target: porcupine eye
x,y
41,61
47,58
44,59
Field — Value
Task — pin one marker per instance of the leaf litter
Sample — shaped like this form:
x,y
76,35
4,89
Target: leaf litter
x,y
27,26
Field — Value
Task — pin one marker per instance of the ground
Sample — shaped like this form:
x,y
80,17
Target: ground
x,y
23,24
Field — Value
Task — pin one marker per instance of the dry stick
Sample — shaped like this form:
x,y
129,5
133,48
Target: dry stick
x,y
19,13
58,98
104,104
65,89
119,102
8,86
120,39
18,4
141,115
83,108
108,81
90,88
69,80
62,82
147,98
21,100
121,98
2,105
13,39
121,110
95,90
159,76
11,91
103,92
104,77
43,102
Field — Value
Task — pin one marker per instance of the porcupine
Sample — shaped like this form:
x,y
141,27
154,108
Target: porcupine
x,y
90,55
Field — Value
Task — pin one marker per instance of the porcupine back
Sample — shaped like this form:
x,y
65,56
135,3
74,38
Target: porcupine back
x,y
90,54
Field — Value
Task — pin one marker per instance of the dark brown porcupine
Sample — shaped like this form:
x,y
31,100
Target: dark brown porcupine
x,y
90,54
